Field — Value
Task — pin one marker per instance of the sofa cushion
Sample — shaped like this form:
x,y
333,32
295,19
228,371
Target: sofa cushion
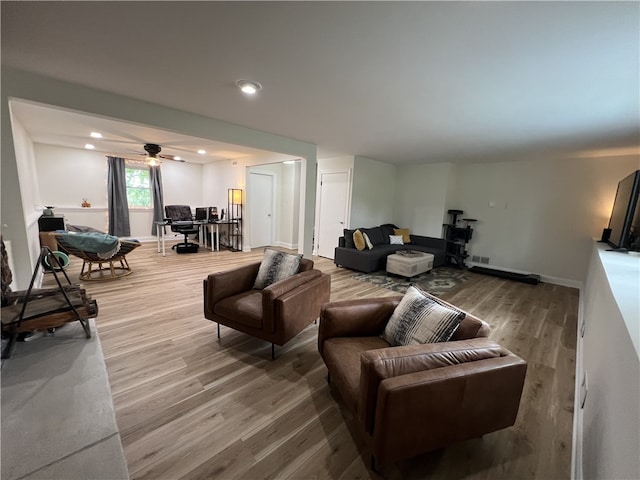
x,y
244,308
275,266
375,235
342,357
358,240
348,238
421,318
406,237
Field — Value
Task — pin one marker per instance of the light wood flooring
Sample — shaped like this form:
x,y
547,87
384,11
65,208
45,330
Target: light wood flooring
x,y
190,406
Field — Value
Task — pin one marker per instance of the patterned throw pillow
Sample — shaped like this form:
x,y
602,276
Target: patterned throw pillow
x,y
276,266
396,240
420,318
358,239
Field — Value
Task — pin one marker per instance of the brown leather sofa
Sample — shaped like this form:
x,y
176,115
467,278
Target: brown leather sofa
x,y
275,314
413,399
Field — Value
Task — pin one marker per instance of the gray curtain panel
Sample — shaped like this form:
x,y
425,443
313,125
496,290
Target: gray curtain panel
x,y
117,197
158,199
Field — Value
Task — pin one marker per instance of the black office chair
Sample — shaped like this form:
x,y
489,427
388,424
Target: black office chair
x,y
181,221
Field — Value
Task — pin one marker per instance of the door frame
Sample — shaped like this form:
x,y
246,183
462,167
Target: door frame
x,y
347,213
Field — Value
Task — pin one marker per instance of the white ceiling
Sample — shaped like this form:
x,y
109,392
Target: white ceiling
x,y
400,82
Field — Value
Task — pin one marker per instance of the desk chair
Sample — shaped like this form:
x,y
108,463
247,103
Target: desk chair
x,y
181,221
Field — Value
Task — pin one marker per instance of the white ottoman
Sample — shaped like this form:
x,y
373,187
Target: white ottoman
x,y
409,265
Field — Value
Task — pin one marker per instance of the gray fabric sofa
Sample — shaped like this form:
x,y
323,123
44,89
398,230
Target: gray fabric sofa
x,y
347,255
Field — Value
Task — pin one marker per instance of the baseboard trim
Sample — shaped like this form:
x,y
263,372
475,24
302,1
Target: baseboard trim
x,y
564,282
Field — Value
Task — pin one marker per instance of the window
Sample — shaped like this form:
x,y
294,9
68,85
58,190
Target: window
x,y
138,187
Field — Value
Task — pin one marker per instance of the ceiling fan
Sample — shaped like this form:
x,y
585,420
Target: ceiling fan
x,y
153,154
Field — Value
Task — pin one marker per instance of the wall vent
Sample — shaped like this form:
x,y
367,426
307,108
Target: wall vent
x,y
475,258
484,259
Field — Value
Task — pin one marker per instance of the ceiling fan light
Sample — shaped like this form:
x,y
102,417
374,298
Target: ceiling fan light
x,y
153,161
248,87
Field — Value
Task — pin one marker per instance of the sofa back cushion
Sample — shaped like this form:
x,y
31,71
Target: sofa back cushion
x,y
348,238
387,230
375,235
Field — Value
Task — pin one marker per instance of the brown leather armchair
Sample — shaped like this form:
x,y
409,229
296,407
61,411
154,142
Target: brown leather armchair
x,y
413,399
277,313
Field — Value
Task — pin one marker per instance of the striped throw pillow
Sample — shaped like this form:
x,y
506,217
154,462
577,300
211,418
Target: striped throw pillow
x,y
276,266
420,318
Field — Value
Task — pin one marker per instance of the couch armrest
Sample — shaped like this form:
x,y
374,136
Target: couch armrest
x,y
225,284
363,317
431,409
380,364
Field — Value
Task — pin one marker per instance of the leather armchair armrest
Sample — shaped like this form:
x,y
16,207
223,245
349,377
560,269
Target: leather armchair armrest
x,y
355,318
277,290
297,308
380,364
225,284
431,409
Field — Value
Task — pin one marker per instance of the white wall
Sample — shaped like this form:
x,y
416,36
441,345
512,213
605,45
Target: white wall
x,y
607,432
30,197
66,176
421,196
540,216
372,193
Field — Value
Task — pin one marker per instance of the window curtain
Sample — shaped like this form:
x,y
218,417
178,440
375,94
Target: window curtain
x,y
117,198
158,200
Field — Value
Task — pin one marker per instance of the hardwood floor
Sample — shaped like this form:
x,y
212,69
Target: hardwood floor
x,y
190,406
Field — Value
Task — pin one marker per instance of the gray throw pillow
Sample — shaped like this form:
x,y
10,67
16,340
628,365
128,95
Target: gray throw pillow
x,y
276,266
420,318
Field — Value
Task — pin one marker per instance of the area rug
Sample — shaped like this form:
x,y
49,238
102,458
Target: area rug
x,y
436,282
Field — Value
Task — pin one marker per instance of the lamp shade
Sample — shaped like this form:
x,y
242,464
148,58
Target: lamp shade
x,y
235,196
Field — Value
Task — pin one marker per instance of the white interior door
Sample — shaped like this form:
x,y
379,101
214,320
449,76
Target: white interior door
x,y
261,209
334,196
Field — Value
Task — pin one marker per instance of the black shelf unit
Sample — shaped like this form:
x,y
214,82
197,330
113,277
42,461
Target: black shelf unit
x,y
457,238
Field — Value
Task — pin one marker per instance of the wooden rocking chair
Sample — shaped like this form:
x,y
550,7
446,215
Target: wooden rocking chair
x,y
40,309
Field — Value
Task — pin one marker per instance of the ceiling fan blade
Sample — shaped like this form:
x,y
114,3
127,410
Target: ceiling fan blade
x,y
172,158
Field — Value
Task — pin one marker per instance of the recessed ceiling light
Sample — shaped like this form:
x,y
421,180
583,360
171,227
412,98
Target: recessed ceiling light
x,y
202,152
88,146
177,158
96,135
289,162
249,87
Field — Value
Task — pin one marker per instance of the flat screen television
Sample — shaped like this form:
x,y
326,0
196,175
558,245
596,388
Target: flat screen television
x,y
624,223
